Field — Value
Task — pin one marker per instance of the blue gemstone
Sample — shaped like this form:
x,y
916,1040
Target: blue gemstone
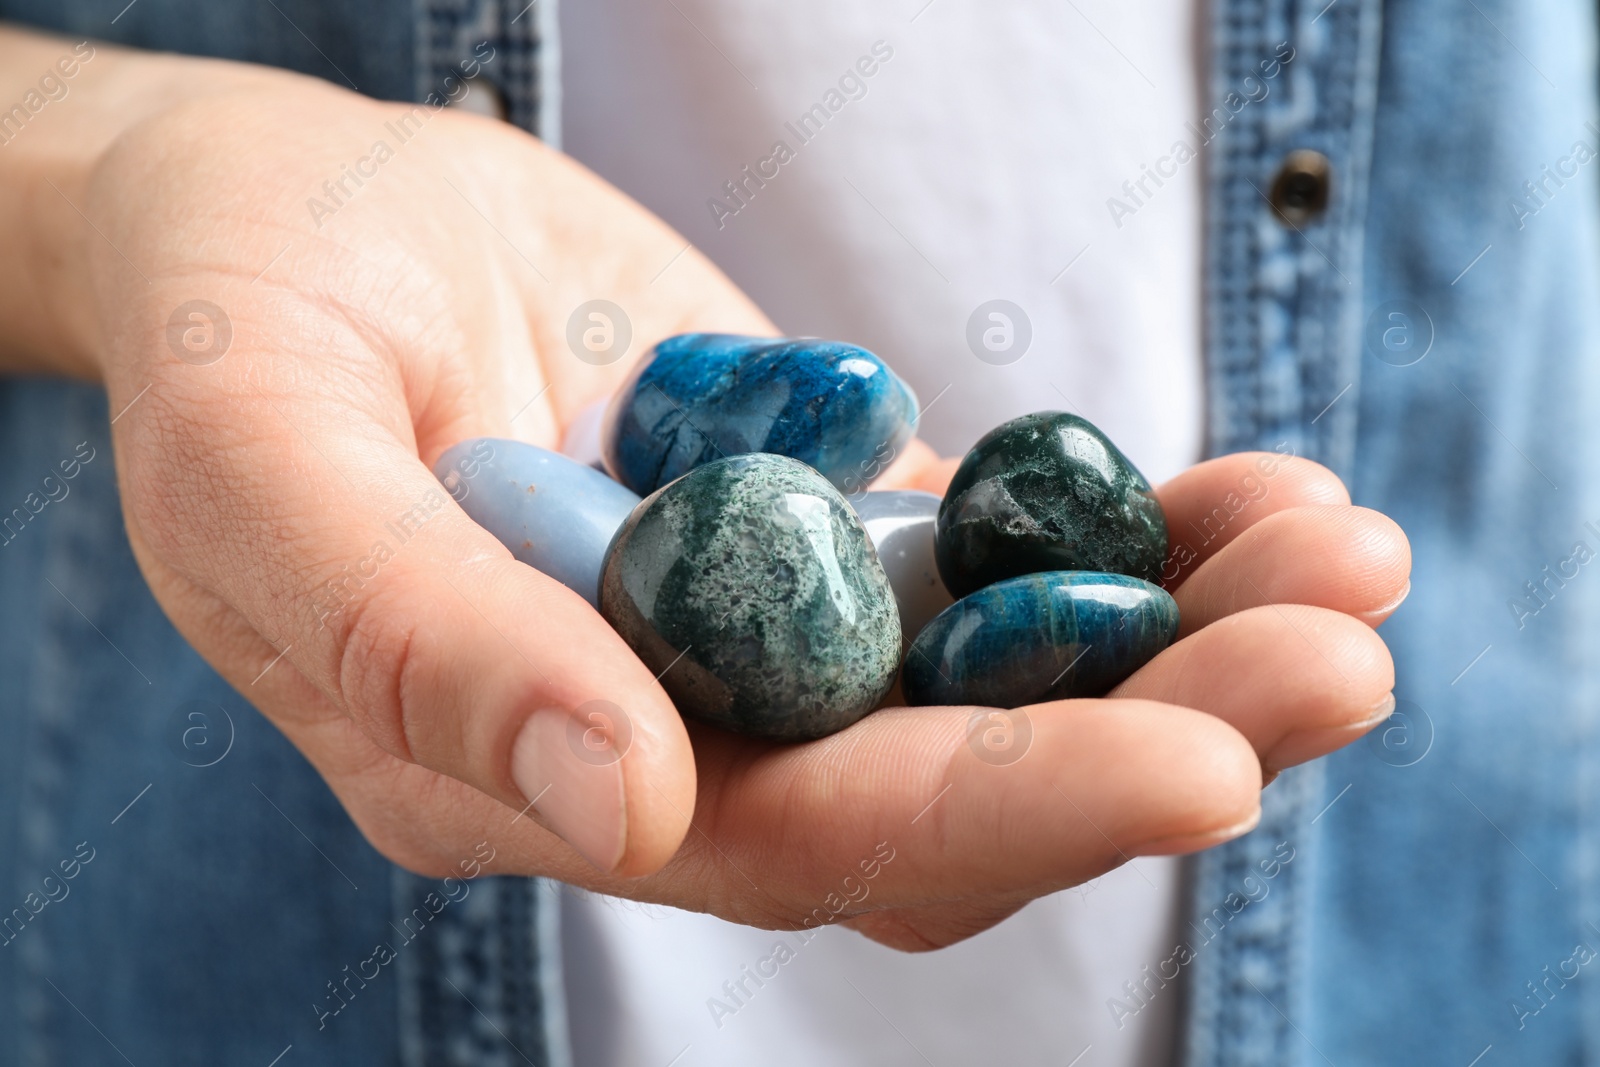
x,y
552,513
901,525
751,590
1050,636
699,397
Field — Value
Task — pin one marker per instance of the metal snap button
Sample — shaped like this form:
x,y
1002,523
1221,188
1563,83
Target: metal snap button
x,y
1301,188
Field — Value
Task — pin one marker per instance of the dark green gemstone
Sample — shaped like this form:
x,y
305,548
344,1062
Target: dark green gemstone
x,y
1047,492
1052,636
751,587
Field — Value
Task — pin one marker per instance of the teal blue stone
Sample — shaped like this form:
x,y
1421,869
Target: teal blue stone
x,y
1051,636
750,587
702,396
1047,492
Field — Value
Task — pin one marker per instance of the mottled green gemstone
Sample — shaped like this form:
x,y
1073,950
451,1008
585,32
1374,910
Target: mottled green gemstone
x,y
1047,492
752,588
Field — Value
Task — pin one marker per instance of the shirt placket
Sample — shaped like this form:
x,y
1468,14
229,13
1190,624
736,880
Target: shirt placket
x,y
1283,340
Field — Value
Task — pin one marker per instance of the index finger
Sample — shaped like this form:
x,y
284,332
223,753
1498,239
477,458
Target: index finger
x,y
1212,503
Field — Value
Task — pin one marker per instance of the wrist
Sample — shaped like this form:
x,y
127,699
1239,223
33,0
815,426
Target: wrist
x,y
63,103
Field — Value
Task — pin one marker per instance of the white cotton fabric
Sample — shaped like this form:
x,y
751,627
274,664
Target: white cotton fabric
x,y
977,162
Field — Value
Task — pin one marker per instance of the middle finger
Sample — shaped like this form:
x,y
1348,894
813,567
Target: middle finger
x,y
1347,559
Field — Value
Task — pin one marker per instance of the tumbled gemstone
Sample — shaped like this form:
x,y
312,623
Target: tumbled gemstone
x,y
1050,636
752,590
1045,492
702,396
900,523
554,514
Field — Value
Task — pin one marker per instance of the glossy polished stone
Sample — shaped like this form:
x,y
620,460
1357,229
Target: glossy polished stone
x,y
752,589
1050,636
700,397
554,514
900,523
1045,492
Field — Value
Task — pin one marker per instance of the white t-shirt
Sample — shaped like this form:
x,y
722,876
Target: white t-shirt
x,y
881,173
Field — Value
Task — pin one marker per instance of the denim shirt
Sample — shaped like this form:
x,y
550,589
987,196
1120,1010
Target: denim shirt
x,y
183,889
1433,337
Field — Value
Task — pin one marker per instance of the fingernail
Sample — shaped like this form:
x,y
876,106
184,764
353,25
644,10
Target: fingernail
x,y
1305,745
1172,846
1388,609
579,800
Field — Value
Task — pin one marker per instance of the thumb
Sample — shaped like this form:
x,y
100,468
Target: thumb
x,y
307,522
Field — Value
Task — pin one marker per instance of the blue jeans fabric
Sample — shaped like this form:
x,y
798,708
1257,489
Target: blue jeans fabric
x,y
1441,881
1444,884
178,885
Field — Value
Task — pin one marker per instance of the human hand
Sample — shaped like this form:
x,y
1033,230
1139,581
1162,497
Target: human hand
x,y
279,499
437,685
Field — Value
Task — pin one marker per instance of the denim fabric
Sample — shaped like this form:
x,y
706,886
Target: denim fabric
x,y
223,886
1439,905
182,888
369,46
1283,316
